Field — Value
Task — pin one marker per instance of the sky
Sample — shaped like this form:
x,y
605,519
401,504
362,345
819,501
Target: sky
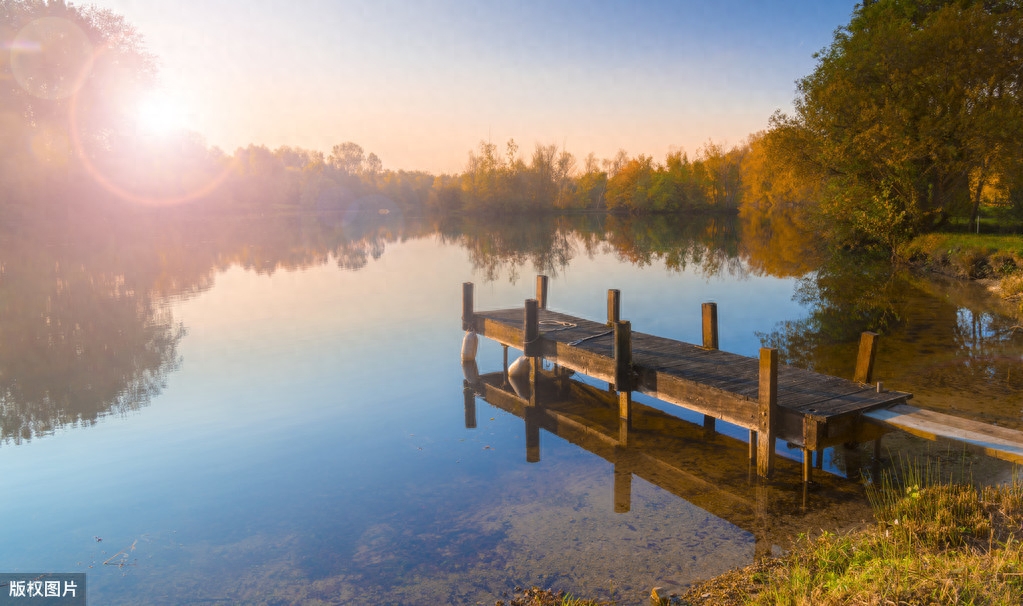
x,y
421,82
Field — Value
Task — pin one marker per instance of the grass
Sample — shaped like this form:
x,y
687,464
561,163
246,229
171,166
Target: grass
x,y
535,596
936,541
967,255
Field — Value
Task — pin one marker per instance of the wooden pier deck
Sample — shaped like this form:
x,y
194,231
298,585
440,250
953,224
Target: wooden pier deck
x,y
773,401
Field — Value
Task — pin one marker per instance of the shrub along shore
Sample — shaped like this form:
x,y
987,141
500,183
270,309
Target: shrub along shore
x,y
997,259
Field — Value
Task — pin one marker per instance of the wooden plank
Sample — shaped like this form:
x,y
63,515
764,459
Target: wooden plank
x,y
505,334
683,373
580,360
699,398
999,442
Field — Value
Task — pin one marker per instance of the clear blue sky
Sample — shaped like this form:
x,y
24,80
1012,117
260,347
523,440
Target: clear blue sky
x,y
421,82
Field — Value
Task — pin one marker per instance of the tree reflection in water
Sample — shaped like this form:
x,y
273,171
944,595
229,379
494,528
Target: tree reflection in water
x,y
85,328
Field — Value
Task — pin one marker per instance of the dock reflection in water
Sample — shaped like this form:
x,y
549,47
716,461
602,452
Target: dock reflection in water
x,y
708,469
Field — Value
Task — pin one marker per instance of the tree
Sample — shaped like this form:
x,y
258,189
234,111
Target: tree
x,y
916,105
629,188
71,78
347,158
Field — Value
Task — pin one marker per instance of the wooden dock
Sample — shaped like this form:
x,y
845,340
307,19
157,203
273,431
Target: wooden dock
x,y
772,401
705,468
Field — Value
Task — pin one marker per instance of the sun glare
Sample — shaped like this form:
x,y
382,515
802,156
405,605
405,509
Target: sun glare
x,y
160,115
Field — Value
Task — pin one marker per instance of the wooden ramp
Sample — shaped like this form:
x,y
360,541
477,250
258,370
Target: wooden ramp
x,y
809,409
994,441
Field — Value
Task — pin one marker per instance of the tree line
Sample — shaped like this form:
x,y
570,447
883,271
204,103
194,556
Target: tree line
x,y
911,119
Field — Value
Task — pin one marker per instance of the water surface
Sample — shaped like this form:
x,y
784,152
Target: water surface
x,y
271,409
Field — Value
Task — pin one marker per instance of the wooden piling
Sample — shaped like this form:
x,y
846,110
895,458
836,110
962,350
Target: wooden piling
x,y
767,403
541,291
505,365
468,320
865,359
811,440
622,488
710,341
532,435
625,408
710,325
624,423
622,354
614,306
469,397
534,376
531,345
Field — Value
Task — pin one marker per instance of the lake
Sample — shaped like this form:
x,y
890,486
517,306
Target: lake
x,y
270,409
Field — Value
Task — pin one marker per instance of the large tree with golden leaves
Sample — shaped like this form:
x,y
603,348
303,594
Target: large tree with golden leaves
x,y
914,107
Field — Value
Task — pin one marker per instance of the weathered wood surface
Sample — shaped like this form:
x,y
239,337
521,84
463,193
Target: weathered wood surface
x,y
994,441
719,384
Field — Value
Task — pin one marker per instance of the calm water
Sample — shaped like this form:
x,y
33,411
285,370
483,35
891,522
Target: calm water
x,y
270,410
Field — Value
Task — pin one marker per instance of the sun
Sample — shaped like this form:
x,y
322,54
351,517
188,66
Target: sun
x,y
159,114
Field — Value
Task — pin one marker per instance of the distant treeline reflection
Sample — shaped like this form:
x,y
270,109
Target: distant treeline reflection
x,y
86,329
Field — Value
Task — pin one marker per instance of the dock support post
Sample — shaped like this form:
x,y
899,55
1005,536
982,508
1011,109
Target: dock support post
x,y
622,487
752,447
469,397
531,329
623,355
710,341
505,366
767,402
468,315
532,435
614,306
623,372
710,325
541,291
811,438
865,359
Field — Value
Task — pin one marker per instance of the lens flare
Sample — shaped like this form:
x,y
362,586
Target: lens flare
x,y
126,177
49,58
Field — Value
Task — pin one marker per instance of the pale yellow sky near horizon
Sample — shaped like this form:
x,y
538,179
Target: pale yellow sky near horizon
x,y
422,83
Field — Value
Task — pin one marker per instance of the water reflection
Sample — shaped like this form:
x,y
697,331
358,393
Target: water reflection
x,y
85,329
280,460
951,343
77,341
705,468
708,245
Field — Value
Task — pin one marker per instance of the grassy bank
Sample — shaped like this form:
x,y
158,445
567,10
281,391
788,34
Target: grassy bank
x,y
972,256
967,255
934,542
